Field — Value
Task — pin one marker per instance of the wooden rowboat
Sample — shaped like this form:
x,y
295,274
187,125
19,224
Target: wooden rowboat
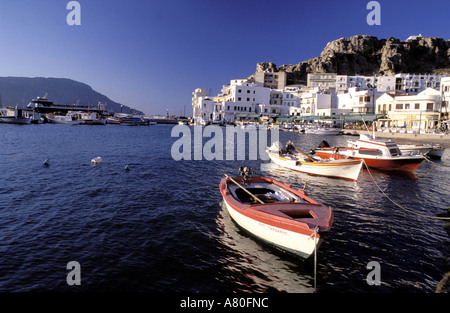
x,y
276,213
348,169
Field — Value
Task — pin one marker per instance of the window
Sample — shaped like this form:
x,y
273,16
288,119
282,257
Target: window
x,y
248,91
239,98
406,106
248,99
239,91
416,106
430,106
395,151
399,106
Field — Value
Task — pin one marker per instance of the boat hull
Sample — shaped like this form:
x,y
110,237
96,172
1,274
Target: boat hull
x,y
15,120
267,222
295,243
403,164
344,169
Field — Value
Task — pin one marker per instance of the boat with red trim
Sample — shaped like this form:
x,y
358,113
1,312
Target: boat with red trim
x,y
276,213
294,159
381,154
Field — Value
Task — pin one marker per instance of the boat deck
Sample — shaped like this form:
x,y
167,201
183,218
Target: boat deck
x,y
281,204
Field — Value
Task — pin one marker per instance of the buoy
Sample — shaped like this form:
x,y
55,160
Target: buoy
x,y
46,162
96,160
127,168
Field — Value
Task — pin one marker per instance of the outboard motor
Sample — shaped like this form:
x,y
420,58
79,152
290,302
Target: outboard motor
x,y
324,144
245,172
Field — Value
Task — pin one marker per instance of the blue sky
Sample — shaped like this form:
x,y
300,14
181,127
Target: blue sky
x,y
151,55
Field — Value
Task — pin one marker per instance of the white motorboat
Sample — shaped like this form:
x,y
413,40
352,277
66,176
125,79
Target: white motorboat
x,y
323,131
13,116
430,150
69,119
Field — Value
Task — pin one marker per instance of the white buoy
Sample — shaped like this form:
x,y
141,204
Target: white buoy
x,y
96,160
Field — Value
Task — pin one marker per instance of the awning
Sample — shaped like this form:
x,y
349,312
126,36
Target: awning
x,y
249,115
358,117
311,118
286,118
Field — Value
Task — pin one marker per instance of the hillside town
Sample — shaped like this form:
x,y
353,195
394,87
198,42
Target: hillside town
x,y
404,102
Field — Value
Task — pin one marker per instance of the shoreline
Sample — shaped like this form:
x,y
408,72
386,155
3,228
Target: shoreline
x,y
442,139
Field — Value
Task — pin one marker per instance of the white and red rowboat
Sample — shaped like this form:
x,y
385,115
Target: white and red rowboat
x,y
345,169
377,153
281,216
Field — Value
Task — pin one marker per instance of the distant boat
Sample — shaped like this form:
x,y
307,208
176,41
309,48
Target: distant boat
x,y
69,119
323,131
276,213
13,116
114,120
348,169
91,118
430,150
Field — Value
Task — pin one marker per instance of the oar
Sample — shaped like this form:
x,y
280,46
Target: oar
x,y
304,154
255,197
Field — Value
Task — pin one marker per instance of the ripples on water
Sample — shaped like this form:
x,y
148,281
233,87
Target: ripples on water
x,y
161,226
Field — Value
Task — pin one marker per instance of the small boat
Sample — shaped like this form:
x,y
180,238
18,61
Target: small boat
x,y
430,150
276,213
323,131
377,153
69,119
415,149
131,121
13,116
436,152
114,120
91,118
296,160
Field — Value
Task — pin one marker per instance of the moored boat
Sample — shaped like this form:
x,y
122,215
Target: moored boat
x,y
276,213
114,120
430,150
323,131
348,169
69,119
13,116
377,153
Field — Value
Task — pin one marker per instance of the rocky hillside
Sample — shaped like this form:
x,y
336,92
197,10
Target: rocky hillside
x,y
21,90
368,55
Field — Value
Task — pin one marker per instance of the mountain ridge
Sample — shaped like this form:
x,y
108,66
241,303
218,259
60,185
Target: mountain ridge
x,y
21,90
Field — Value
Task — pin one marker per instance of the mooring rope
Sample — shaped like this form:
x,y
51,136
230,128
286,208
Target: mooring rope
x,y
316,230
410,211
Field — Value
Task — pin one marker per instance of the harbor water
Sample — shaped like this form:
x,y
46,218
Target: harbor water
x,y
142,221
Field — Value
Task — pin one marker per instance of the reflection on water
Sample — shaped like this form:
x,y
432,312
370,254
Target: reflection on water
x,y
254,266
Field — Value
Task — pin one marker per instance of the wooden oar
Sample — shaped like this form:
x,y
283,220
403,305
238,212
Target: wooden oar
x,y
304,154
255,197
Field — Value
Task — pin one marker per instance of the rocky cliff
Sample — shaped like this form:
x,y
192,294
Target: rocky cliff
x,y
368,55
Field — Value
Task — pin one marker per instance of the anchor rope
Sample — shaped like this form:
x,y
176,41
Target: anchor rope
x,y
400,206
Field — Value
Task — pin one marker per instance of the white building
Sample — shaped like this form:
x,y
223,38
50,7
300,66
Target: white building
x,y
415,83
411,112
445,97
196,103
241,99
